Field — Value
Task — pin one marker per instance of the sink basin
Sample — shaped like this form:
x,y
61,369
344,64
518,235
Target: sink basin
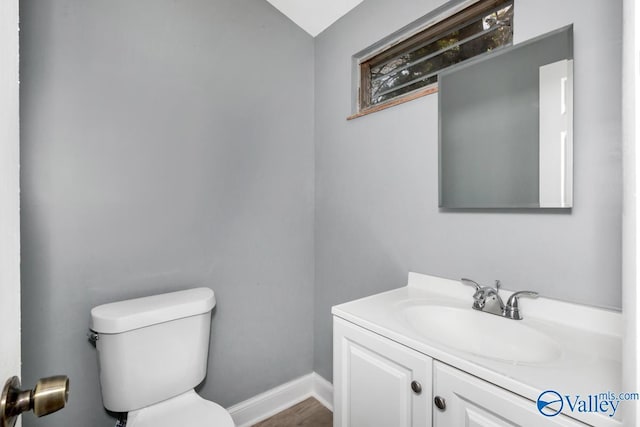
x,y
481,334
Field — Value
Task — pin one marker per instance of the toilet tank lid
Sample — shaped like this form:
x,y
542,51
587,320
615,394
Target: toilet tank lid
x,y
122,316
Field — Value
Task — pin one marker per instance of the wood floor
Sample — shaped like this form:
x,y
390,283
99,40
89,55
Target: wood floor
x,y
308,413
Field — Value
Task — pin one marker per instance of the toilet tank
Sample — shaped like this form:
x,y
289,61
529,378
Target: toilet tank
x,y
153,348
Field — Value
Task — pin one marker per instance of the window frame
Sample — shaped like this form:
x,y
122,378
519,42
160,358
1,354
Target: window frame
x,y
439,25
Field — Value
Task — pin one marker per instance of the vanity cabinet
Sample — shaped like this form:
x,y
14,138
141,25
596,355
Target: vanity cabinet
x,y
381,383
378,382
472,402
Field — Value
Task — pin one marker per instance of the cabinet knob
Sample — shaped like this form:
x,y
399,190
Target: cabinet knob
x,y
416,387
440,403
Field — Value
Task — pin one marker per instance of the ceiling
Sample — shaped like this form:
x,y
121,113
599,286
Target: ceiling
x,y
314,16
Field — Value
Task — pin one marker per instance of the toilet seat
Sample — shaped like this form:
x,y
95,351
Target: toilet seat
x,y
185,410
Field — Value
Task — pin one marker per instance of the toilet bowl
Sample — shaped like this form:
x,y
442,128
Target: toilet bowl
x,y
152,352
187,409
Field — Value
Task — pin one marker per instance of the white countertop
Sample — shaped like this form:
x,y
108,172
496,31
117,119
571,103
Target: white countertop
x,y
589,339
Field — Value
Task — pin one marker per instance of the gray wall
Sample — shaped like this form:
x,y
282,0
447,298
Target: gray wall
x,y
166,144
377,213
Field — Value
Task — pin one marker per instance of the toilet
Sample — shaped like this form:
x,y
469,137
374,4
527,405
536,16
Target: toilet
x,y
152,352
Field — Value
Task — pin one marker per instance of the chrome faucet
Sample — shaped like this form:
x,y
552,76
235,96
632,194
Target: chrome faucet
x,y
488,300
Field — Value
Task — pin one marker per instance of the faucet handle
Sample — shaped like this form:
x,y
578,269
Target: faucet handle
x,y
470,282
511,309
478,295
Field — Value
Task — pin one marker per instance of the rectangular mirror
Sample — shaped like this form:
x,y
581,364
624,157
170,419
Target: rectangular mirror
x,y
506,127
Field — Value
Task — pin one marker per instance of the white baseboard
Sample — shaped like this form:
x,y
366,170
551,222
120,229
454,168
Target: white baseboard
x,y
284,396
322,390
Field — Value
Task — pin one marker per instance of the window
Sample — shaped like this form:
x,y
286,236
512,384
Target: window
x,y
409,68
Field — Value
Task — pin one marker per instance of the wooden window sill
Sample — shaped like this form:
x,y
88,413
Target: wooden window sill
x,y
427,90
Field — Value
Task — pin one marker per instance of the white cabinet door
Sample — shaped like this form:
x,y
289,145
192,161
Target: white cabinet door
x,y
373,379
472,402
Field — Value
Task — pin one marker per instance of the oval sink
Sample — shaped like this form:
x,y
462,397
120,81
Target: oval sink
x,y
481,334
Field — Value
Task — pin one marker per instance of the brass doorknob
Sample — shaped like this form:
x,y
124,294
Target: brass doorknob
x,y
49,395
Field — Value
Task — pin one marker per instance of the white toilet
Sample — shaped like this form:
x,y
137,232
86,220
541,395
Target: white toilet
x,y
152,352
